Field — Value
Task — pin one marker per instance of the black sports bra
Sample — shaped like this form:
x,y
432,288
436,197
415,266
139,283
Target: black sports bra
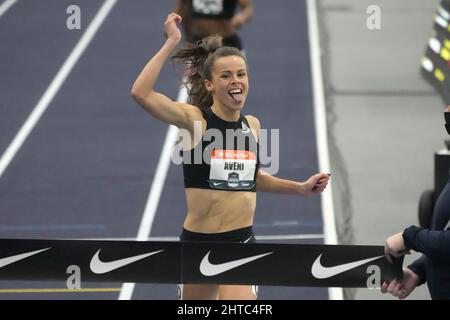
x,y
225,159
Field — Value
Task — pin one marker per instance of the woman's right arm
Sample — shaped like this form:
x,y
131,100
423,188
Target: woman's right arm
x,y
157,104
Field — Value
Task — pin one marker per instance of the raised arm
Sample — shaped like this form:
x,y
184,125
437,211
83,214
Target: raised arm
x,y
158,105
179,8
244,15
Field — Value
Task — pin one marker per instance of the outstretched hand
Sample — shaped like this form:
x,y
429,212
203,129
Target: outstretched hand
x,y
401,289
170,27
316,184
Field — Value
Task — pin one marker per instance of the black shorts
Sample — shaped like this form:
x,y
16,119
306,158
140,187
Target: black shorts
x,y
231,41
243,235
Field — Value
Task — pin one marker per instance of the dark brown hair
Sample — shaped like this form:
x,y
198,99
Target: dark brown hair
x,y
200,59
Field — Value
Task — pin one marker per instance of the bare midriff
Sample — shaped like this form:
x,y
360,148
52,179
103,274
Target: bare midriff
x,y
215,211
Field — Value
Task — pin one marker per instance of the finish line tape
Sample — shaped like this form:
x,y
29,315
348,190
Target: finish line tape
x,y
196,262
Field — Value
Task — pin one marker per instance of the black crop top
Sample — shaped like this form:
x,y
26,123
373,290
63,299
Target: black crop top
x,y
213,9
225,159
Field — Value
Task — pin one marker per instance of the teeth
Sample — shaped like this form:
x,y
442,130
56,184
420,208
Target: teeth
x,y
235,91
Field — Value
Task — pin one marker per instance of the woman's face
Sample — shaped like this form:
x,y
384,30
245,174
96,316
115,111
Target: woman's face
x,y
229,84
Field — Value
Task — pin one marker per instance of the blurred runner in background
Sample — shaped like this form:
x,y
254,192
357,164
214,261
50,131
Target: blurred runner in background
x,y
202,18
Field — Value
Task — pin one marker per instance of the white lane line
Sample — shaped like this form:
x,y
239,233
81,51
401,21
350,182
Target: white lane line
x,y
290,237
155,191
6,5
55,85
321,132
176,238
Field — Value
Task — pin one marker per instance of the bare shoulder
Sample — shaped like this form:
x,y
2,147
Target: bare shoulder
x,y
255,125
253,121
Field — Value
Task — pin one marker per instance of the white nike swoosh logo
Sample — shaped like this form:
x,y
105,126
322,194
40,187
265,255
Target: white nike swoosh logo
x,y
100,267
216,183
321,272
245,241
208,269
12,259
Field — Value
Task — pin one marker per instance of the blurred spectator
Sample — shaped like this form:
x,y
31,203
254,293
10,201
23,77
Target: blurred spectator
x,y
202,18
434,243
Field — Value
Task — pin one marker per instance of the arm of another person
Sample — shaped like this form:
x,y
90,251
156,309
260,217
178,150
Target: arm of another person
x,y
244,15
158,105
432,243
418,267
180,7
268,183
183,10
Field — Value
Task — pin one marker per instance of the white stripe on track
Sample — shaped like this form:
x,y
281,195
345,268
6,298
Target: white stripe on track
x,y
321,132
6,5
55,85
155,191
290,237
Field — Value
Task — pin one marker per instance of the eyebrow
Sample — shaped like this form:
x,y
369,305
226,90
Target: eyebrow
x,y
229,71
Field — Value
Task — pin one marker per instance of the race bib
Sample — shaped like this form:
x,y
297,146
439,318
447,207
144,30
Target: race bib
x,y
208,6
232,170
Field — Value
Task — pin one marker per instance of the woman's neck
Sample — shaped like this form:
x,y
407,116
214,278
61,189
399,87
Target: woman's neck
x,y
225,114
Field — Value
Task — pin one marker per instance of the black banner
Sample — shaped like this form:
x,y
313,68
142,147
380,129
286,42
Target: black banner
x,y
196,262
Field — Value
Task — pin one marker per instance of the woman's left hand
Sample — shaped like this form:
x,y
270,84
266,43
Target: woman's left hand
x,y
316,184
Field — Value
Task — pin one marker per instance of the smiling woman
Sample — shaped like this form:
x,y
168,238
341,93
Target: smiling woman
x,y
210,60
221,184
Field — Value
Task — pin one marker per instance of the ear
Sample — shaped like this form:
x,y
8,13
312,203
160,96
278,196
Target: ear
x,y
208,85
